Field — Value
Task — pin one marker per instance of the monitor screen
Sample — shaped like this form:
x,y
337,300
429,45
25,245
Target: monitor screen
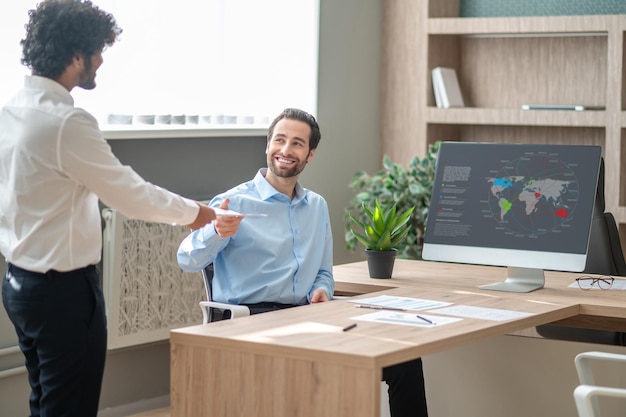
x,y
526,207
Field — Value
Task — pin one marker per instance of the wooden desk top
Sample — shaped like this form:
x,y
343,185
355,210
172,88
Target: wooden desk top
x,y
316,330
598,309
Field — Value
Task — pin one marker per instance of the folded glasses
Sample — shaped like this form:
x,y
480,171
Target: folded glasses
x,y
586,283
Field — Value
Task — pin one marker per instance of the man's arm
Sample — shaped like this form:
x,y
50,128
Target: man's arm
x,y
85,157
200,248
205,216
324,285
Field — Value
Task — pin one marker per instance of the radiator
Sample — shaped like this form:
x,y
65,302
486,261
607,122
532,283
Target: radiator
x,y
146,293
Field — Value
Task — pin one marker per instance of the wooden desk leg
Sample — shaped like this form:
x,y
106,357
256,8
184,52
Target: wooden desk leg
x,y
219,382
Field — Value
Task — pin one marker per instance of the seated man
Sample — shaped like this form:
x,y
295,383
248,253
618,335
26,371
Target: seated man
x,y
284,259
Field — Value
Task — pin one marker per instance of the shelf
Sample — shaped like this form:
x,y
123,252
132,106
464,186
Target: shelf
x,y
503,63
506,72
556,25
504,117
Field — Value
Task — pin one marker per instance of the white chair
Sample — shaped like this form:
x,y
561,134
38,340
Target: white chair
x,y
208,306
587,393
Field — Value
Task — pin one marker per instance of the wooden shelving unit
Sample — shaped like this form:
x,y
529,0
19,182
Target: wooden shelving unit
x,y
503,63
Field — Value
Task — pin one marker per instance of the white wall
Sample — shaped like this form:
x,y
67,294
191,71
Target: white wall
x,y
348,106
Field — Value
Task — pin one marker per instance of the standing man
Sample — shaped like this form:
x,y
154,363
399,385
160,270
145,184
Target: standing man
x,y
284,259
54,165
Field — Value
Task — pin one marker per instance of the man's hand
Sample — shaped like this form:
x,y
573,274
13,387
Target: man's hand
x,y
205,216
226,226
319,296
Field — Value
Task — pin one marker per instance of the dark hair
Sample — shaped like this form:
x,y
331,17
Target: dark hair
x,y
60,30
301,115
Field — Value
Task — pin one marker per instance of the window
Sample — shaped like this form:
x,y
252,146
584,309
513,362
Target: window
x,y
215,61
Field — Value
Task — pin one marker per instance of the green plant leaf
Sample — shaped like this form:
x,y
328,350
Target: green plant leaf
x,y
384,243
371,233
364,240
409,189
357,222
387,164
402,220
390,217
378,219
399,237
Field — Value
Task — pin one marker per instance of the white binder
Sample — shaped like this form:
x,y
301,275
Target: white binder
x,y
446,88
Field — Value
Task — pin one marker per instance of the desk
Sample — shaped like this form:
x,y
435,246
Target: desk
x,y
603,310
299,362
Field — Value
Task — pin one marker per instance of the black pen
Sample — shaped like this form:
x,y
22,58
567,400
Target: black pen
x,y
350,327
426,320
380,307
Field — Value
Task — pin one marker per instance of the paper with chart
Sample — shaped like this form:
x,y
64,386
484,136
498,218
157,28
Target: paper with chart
x,y
400,303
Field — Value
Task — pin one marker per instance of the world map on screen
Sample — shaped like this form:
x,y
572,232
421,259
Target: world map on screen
x,y
533,195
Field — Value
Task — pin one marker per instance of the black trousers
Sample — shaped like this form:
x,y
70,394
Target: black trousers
x,y
59,318
407,395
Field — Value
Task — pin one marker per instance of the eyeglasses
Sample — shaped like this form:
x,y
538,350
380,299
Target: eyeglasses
x,y
586,283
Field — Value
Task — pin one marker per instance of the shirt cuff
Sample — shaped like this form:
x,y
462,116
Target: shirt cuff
x,y
190,212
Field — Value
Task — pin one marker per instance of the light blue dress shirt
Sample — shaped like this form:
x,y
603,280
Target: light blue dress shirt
x,y
281,258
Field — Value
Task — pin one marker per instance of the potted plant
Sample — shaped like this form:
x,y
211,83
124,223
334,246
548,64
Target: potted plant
x,y
380,235
395,184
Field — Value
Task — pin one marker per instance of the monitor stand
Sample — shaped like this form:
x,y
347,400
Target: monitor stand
x,y
519,280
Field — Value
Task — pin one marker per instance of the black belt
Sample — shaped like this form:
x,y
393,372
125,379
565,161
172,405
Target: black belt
x,y
265,307
51,273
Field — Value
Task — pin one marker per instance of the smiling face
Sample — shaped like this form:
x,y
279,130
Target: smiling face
x,y
288,149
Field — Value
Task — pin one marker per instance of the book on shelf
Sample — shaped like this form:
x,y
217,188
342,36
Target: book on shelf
x,y
446,88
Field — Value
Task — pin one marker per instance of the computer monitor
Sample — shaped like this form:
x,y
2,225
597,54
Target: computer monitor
x,y
526,207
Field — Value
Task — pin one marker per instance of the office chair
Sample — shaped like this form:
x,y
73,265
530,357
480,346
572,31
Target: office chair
x,y
587,393
208,307
604,257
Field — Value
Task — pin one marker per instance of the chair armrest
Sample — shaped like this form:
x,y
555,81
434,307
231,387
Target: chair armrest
x,y
585,397
235,310
583,364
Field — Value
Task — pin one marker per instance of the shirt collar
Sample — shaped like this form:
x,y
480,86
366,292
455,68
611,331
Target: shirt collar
x,y
50,86
266,191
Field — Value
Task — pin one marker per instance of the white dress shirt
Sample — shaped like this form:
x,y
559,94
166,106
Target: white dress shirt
x,y
54,165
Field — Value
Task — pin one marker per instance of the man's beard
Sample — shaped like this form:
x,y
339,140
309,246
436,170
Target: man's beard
x,y
294,171
87,77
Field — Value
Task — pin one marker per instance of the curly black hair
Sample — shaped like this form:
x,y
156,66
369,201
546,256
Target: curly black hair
x,y
60,30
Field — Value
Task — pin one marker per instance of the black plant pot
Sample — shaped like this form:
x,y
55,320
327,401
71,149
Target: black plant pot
x,y
380,263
